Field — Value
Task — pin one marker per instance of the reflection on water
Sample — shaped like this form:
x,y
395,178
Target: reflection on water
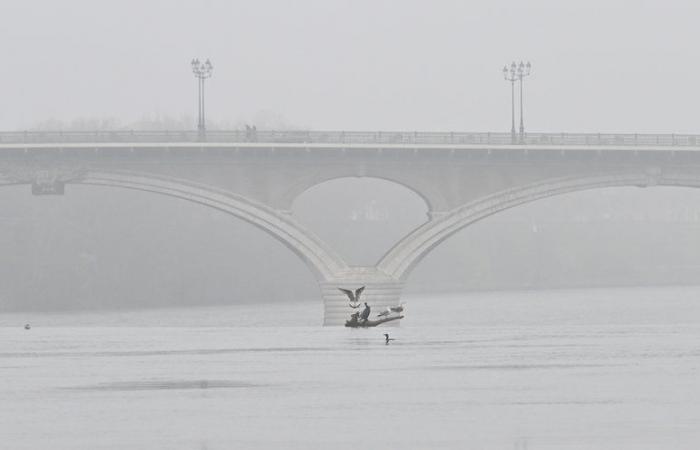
x,y
163,384
520,444
605,369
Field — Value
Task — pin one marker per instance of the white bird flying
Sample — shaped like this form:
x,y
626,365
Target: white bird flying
x,y
353,296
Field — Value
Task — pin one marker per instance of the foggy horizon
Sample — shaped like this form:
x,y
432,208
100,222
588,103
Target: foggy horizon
x,y
351,224
361,65
341,65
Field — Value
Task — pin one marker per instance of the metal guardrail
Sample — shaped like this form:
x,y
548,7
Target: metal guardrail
x,y
348,137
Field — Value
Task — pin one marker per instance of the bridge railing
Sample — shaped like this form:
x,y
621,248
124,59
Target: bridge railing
x,y
347,137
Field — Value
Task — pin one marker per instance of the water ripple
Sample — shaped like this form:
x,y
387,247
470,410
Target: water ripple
x,y
156,385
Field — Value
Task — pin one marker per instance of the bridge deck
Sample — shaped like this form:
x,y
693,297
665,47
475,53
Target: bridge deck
x,y
352,138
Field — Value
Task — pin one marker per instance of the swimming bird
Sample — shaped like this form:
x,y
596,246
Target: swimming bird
x,y
365,313
27,327
386,335
353,296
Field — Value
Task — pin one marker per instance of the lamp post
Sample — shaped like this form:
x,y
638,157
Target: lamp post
x,y
516,72
202,71
510,75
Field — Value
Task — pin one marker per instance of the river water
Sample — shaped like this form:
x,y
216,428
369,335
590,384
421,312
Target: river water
x,y
575,369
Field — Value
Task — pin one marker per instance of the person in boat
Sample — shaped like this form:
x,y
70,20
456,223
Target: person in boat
x,y
364,315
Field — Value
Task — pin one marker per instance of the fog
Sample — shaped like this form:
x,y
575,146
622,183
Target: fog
x,y
348,65
166,290
600,65
108,248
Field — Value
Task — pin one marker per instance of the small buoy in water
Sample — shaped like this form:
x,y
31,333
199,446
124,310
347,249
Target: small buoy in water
x,y
27,327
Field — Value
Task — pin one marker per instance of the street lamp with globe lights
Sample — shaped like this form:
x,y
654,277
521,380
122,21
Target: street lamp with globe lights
x,y
516,72
202,71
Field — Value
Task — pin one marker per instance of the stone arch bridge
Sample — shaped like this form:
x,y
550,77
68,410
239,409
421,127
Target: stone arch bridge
x,y
463,178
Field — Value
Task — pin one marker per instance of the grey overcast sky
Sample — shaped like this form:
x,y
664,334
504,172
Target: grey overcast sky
x,y
598,65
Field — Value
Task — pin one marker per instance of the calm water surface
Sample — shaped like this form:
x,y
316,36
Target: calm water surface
x,y
598,369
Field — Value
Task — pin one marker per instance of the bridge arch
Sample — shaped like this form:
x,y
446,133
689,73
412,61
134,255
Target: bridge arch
x,y
320,258
406,254
360,218
429,194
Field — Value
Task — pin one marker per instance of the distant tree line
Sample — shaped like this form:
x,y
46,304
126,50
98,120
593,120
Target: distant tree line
x,y
262,120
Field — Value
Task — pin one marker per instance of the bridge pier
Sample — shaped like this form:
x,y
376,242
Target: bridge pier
x,y
380,292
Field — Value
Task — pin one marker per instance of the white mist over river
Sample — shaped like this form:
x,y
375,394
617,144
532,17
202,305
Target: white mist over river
x,y
571,369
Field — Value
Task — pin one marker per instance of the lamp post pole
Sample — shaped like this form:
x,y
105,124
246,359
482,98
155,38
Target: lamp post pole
x,y
510,75
523,71
516,72
202,71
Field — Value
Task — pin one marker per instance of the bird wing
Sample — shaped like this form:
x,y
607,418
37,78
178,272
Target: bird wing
x,y
384,313
354,306
358,292
349,293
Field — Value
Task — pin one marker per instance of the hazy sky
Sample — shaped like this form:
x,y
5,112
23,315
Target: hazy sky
x,y
598,65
